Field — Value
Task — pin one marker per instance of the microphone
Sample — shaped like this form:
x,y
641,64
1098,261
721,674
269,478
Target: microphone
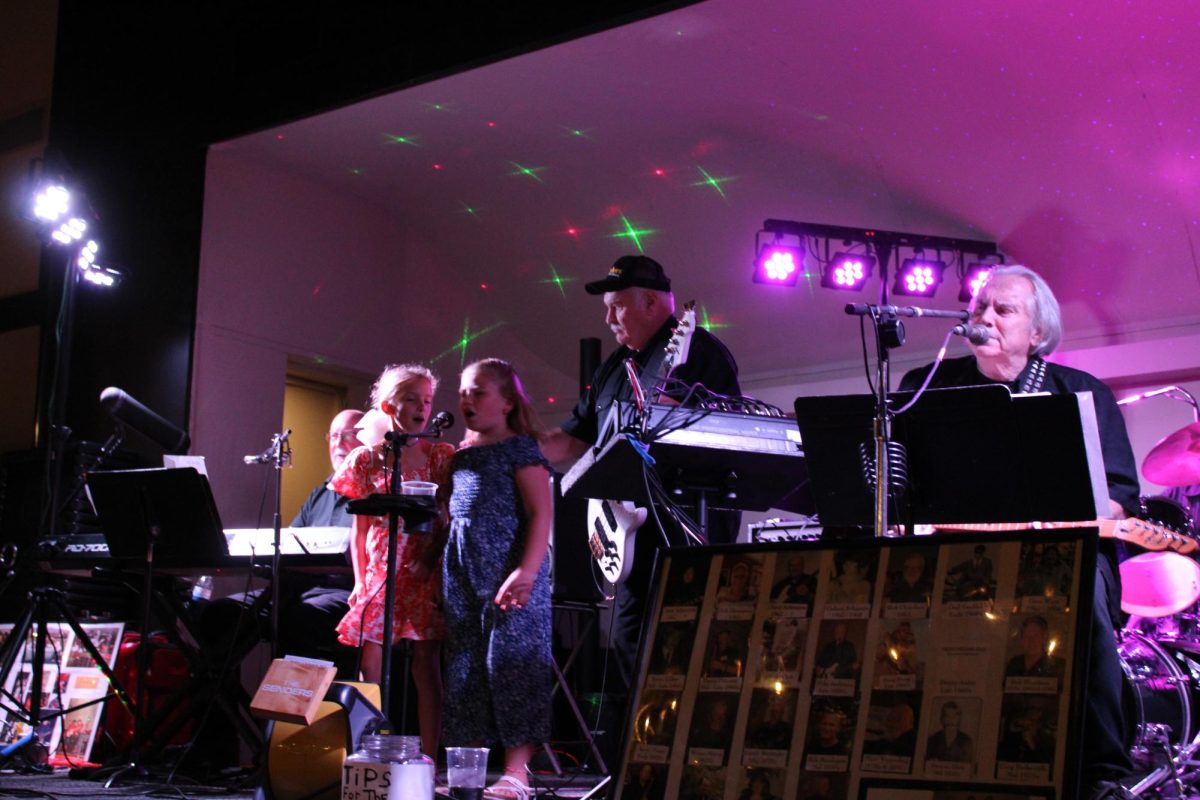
x,y
441,421
267,456
129,411
975,334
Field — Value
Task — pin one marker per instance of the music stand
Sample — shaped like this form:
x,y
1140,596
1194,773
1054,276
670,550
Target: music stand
x,y
178,501
968,457
168,514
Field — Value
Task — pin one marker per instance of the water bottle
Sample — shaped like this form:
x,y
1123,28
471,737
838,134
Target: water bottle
x,y
202,588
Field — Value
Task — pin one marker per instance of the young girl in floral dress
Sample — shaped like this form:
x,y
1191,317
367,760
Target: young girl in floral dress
x,y
401,401
496,577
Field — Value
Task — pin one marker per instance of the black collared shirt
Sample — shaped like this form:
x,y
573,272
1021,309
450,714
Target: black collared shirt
x,y
709,362
1119,464
324,507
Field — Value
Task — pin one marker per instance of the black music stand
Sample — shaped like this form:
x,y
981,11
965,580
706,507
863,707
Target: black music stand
x,y
166,516
179,502
967,457
417,511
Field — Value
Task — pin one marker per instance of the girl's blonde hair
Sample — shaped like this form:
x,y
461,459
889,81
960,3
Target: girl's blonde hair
x,y
395,378
521,419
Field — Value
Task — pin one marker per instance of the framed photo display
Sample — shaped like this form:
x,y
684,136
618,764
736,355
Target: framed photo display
x,y
921,668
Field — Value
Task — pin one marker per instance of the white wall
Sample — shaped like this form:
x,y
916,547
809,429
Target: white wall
x,y
282,259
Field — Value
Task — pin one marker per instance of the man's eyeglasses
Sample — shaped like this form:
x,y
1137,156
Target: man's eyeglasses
x,y
342,436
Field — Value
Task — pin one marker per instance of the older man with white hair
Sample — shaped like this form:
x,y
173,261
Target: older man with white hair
x,y
1023,321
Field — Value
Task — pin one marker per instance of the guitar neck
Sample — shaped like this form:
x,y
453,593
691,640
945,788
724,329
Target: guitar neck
x,y
1145,534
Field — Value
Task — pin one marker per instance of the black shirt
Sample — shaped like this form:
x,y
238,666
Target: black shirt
x,y
709,362
324,507
1119,464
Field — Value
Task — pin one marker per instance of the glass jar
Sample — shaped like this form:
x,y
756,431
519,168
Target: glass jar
x,y
388,768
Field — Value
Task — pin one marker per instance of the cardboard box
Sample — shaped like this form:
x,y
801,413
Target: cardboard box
x,y
292,691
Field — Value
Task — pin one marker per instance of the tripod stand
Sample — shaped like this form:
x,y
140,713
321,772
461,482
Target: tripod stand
x,y
43,600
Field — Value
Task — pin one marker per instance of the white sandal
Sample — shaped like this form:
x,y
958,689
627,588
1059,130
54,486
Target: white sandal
x,y
509,787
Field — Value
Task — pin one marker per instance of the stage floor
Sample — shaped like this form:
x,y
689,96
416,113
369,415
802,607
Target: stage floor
x,y
59,784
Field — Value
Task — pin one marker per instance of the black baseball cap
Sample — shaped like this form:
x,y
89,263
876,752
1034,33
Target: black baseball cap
x,y
628,271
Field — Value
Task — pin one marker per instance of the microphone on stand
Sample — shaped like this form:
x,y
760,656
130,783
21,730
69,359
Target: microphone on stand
x,y
975,334
440,422
268,455
123,407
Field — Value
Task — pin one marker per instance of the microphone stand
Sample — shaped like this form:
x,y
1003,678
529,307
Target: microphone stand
x,y
889,335
279,455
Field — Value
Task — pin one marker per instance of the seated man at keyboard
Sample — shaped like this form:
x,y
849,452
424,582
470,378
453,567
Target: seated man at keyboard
x,y
311,604
306,624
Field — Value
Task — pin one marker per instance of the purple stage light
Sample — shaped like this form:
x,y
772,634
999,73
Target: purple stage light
x,y
973,280
918,277
848,271
779,264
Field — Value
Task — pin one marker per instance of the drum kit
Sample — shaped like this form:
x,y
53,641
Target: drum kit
x,y
1160,644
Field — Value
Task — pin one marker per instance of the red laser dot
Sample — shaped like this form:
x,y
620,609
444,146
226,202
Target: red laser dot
x,y
437,166
491,124
572,231
483,286
660,172
279,137
551,399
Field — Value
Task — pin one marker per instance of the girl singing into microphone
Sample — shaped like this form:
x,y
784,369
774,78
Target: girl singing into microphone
x,y
401,400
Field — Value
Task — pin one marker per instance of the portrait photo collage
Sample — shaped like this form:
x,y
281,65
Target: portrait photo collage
x,y
800,671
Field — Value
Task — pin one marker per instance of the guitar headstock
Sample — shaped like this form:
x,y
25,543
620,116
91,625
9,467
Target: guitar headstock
x,y
681,338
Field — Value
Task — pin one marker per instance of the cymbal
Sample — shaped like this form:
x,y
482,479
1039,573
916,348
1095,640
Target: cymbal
x,y
1175,460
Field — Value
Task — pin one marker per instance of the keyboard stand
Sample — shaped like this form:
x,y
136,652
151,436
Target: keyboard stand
x,y
560,674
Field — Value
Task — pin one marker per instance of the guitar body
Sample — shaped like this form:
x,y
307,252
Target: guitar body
x,y
611,527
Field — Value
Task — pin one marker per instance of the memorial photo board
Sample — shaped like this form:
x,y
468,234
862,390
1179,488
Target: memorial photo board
x,y
921,668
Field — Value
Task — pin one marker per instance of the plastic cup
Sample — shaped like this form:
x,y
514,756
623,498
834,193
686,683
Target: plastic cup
x,y
418,487
466,772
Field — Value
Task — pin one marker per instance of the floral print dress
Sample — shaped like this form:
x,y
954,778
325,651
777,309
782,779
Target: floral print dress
x,y
417,609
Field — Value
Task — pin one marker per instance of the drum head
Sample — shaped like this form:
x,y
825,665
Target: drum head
x,y
1159,584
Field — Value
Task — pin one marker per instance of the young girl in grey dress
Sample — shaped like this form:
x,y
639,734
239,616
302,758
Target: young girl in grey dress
x,y
498,672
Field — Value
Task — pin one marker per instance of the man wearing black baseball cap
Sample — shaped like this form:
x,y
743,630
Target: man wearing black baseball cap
x,y
629,271
640,312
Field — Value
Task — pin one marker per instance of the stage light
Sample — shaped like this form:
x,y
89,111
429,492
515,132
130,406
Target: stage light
x,y
87,255
61,214
51,202
779,261
102,276
70,231
848,271
918,277
973,280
